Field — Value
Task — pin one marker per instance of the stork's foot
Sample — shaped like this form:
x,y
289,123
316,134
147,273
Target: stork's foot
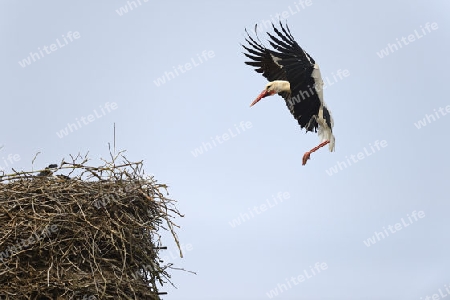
x,y
306,157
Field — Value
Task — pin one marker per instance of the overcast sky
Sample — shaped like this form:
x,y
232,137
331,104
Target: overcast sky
x,y
368,221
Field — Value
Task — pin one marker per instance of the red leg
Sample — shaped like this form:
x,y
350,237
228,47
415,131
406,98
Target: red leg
x,y
307,154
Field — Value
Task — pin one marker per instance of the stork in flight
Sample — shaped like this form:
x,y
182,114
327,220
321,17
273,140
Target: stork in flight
x,y
295,76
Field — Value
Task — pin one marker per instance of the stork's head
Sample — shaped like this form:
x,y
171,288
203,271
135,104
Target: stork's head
x,y
273,88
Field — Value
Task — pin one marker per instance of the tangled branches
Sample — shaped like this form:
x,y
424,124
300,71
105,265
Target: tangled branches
x,y
82,232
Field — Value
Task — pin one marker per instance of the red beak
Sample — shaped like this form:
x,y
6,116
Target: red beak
x,y
263,94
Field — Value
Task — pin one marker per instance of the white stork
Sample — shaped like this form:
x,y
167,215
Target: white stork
x,y
295,76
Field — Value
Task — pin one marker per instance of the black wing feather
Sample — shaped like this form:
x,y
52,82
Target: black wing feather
x,y
263,61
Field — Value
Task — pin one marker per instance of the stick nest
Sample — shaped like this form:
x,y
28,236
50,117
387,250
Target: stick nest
x,y
81,232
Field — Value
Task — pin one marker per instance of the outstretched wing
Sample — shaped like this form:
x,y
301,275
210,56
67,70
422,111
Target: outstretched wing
x,y
288,61
263,60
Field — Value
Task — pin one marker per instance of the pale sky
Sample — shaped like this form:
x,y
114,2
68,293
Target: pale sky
x,y
368,221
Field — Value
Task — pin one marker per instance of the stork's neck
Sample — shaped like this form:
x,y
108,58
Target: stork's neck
x,y
281,86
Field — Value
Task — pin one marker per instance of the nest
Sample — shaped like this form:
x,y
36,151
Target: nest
x,y
80,232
